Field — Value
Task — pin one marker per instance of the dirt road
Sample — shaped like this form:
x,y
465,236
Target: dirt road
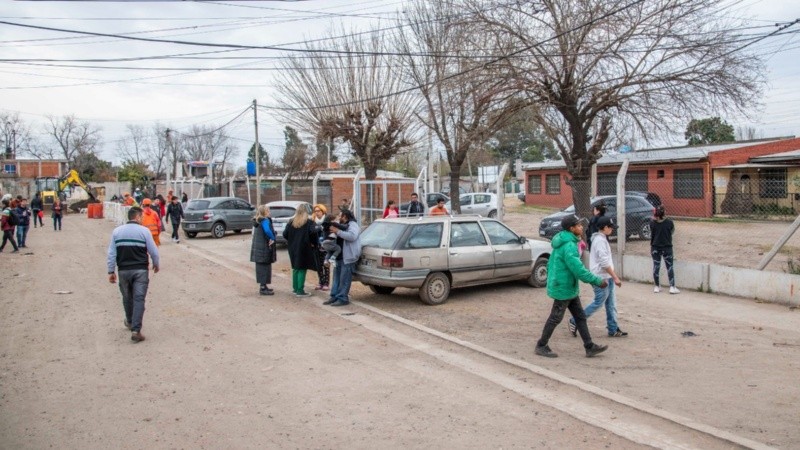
x,y
223,367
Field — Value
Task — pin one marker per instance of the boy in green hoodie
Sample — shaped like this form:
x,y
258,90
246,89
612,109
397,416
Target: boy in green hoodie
x,y
564,271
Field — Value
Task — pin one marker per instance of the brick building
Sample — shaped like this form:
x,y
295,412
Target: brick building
x,y
699,181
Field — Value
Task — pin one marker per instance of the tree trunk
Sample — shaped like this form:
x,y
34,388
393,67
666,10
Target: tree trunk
x,y
581,191
455,177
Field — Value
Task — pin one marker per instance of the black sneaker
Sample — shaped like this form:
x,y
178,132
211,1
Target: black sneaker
x,y
595,350
340,303
329,301
545,351
266,291
618,333
572,328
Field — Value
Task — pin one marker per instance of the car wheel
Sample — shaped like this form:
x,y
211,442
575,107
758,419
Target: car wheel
x,y
218,230
435,289
538,276
191,234
644,231
493,214
237,231
382,290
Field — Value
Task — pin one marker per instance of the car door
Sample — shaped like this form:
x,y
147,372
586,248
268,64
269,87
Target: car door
x,y
466,204
470,257
511,257
244,215
225,210
481,204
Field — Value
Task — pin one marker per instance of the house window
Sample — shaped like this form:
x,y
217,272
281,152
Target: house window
x,y
772,183
660,173
634,181
9,168
553,183
687,183
534,184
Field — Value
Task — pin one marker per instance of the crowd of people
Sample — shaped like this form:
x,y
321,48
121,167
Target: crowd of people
x,y
17,216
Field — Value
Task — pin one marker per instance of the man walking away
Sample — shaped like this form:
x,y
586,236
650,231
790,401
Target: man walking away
x,y
128,251
36,206
175,212
564,271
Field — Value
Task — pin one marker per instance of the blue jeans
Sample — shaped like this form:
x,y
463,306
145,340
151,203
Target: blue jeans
x,y
56,222
133,286
22,234
605,296
342,279
665,253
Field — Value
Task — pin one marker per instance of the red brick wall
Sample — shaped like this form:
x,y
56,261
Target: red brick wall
x,y
741,155
30,169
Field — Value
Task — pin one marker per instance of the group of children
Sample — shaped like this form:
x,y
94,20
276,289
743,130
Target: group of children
x,y
565,270
16,219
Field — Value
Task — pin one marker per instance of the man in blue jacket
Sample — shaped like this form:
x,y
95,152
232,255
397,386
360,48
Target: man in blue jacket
x,y
564,272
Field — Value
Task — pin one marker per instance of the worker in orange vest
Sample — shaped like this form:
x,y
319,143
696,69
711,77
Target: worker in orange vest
x,y
128,200
151,220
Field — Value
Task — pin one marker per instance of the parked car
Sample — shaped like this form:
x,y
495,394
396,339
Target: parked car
x,y
483,203
281,213
437,253
446,190
216,215
430,200
638,212
651,197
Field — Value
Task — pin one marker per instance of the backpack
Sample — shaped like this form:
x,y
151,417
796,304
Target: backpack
x,y
13,218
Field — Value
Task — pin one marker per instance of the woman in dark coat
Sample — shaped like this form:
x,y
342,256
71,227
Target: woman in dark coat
x,y
262,249
301,235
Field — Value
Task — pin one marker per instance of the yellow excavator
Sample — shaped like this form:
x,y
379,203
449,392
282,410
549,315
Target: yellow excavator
x,y
50,187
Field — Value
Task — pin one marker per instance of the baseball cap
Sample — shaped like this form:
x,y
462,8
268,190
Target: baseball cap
x,y
604,221
147,202
569,222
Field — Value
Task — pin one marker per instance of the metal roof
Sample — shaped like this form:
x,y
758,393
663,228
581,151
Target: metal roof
x,y
775,157
655,156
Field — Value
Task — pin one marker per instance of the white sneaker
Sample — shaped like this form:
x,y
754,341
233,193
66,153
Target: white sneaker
x,y
656,289
674,290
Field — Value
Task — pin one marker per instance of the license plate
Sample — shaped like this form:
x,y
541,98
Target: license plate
x,y
191,225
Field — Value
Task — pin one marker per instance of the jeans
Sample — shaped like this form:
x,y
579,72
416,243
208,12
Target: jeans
x,y
22,234
342,279
133,286
8,235
666,253
604,296
557,315
56,222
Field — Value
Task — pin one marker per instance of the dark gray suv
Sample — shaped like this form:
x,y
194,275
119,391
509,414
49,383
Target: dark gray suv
x,y
638,212
216,215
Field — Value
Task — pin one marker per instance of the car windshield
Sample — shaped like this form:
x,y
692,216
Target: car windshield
x,y
382,235
278,212
198,204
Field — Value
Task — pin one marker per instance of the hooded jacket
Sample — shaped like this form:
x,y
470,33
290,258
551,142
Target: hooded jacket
x,y
600,257
565,269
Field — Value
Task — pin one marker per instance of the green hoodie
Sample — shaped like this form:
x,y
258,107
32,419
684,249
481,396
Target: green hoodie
x,y
565,268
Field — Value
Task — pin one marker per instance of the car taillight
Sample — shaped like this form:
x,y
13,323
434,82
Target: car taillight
x,y
207,216
388,261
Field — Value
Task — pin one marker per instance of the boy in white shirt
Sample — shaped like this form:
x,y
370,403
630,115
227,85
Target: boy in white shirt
x,y
601,264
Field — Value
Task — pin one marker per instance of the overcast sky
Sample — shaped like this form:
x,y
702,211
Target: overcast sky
x,y
119,93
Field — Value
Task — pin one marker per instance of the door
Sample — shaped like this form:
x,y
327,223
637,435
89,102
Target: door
x,y
481,204
466,204
511,258
244,215
470,257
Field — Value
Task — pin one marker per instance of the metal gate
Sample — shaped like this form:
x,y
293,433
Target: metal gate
x,y
370,197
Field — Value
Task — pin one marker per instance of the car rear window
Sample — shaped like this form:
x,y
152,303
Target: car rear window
x,y
278,212
197,204
426,235
382,235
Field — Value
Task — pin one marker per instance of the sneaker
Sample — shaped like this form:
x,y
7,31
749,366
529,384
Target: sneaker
x,y
656,289
324,288
340,303
267,291
572,328
618,333
674,290
545,351
318,287
177,241
126,323
329,301
137,336
595,350
302,294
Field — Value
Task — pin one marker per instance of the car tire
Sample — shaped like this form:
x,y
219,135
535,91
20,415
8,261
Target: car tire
x,y
190,234
538,276
237,231
381,290
218,230
644,231
493,214
435,289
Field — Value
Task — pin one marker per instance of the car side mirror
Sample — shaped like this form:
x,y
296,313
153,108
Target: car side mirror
x,y
523,239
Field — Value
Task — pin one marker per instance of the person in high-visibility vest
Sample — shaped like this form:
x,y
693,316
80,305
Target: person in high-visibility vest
x,y
151,220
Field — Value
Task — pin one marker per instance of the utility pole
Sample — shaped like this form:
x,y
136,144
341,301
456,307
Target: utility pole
x,y
169,169
257,155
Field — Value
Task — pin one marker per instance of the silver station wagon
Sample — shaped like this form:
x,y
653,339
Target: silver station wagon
x,y
437,253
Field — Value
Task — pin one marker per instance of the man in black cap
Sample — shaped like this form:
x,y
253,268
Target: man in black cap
x,y
564,271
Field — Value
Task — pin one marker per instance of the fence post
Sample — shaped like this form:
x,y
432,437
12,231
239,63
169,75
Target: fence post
x,y
501,193
314,188
622,226
775,248
283,186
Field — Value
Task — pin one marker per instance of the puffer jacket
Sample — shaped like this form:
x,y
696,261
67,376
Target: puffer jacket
x,y
565,269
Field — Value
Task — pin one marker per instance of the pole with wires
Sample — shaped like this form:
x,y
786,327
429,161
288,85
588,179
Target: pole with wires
x,y
257,155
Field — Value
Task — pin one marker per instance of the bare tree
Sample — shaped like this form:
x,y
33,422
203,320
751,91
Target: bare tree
x,y
73,137
352,94
589,64
136,146
16,135
207,143
464,102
